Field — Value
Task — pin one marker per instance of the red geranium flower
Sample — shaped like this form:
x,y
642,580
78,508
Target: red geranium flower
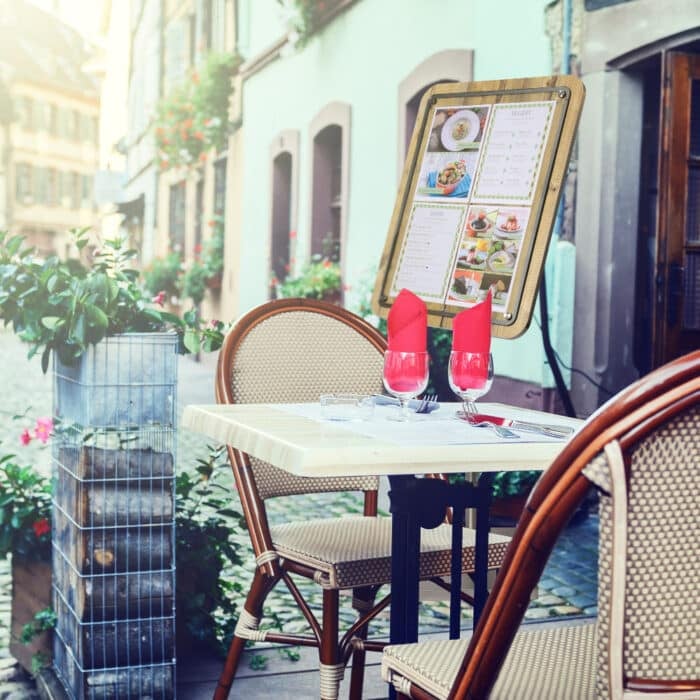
x,y
41,527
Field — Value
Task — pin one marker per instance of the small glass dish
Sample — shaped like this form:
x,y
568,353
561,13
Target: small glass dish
x,y
343,407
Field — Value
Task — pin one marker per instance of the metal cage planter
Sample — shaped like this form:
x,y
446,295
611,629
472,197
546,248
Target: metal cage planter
x,y
113,518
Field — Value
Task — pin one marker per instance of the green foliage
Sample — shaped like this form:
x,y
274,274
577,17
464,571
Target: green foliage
x,y
163,275
258,662
65,305
25,511
43,621
319,279
213,249
193,117
204,523
194,282
507,484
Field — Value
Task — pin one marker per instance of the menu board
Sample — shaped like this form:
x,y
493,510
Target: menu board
x,y
478,198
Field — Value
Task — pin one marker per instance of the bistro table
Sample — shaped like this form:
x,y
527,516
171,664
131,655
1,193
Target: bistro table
x,y
296,438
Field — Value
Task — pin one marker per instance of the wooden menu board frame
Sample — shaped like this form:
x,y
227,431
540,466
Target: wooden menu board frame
x,y
478,198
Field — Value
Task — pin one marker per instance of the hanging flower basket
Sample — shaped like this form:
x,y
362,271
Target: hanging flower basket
x,y
193,118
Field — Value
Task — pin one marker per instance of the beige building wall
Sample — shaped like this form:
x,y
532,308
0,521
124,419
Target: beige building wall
x,y
46,225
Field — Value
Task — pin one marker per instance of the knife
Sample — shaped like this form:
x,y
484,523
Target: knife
x,y
557,431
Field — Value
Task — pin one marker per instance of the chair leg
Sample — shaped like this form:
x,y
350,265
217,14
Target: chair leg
x,y
362,601
331,665
260,587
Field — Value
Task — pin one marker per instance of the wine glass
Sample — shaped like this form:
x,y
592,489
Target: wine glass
x,y
405,376
470,375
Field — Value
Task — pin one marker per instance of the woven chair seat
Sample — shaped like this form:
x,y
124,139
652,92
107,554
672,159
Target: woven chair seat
x,y
357,552
547,664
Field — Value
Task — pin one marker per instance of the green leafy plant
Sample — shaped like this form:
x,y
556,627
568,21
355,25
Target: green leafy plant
x,y
193,118
319,279
510,484
194,282
67,305
213,249
204,523
163,275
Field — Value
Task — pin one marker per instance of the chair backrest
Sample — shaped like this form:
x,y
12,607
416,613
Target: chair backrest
x,y
642,451
294,350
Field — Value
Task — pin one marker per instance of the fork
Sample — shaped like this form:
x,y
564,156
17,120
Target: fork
x,y
470,414
424,405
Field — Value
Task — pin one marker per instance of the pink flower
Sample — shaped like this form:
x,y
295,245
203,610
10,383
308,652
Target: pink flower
x,y
41,527
292,234
25,438
213,323
43,429
159,298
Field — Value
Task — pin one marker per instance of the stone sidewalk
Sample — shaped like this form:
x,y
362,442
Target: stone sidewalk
x,y
567,588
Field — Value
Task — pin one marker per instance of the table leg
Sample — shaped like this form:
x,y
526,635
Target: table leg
x,y
456,572
405,554
482,544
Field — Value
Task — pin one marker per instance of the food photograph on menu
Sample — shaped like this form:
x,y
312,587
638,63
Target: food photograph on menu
x,y
488,254
450,161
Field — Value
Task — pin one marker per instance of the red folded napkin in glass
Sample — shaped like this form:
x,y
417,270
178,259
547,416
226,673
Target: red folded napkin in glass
x,y
471,328
407,323
471,332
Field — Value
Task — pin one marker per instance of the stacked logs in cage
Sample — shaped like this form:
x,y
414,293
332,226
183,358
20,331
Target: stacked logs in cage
x,y
114,568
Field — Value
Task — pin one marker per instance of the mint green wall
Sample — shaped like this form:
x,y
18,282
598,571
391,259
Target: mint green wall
x,y
360,58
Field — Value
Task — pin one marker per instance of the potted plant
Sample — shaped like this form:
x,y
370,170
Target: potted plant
x,y
163,275
193,284
204,519
25,534
193,118
67,306
114,375
213,253
319,279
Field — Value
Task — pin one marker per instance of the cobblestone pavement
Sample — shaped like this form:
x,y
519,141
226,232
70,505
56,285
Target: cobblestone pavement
x,y
568,586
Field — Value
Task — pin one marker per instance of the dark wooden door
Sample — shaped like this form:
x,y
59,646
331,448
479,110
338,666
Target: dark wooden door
x,y
676,327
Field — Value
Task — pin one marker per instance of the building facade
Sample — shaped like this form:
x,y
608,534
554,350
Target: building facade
x,y
322,111
638,191
50,136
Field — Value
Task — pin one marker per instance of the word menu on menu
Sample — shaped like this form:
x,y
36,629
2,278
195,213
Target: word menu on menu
x,y
476,204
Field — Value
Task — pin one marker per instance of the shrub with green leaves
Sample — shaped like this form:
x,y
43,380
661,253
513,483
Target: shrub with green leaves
x,y
204,524
65,306
163,275
319,278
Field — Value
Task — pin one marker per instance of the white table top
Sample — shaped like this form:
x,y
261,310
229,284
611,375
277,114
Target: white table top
x,y
294,437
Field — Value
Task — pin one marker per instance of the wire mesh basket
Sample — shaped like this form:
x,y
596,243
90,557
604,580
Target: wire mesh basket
x,y
113,519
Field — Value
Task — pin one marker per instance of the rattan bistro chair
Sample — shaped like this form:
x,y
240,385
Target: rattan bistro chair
x,y
642,452
293,350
